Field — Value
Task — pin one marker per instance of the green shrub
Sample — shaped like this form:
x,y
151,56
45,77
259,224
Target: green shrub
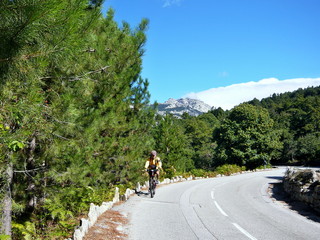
x,y
27,230
198,172
211,174
202,173
229,169
4,237
170,172
264,166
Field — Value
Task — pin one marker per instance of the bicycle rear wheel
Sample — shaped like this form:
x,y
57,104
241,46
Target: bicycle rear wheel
x,y
154,186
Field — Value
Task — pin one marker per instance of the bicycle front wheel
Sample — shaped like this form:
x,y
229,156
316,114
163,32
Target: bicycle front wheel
x,y
151,187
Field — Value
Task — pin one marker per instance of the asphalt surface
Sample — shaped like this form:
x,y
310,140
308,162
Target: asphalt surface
x,y
234,207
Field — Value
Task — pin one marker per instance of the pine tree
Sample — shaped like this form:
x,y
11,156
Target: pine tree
x,y
200,131
173,144
74,118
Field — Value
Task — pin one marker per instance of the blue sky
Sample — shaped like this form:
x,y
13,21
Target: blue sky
x,y
224,52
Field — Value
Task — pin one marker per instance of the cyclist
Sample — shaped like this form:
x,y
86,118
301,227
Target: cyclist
x,y
154,162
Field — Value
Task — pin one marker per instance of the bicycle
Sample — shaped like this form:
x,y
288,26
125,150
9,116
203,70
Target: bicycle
x,y
152,181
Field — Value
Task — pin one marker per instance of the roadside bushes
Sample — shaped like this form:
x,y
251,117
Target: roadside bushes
x,y
226,169
229,169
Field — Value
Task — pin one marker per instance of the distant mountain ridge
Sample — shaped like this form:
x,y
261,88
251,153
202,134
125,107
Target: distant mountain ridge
x,y
177,107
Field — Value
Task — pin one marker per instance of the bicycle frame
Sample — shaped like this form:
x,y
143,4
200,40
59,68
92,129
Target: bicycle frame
x,y
152,181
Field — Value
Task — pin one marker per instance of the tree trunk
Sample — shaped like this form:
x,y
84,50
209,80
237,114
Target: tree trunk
x,y
7,204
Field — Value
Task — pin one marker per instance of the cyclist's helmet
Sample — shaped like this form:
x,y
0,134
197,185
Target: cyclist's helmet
x,y
153,153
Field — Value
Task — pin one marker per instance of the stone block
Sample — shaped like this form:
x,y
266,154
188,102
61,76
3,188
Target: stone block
x,y
116,196
105,206
138,188
84,227
92,215
166,181
78,235
126,195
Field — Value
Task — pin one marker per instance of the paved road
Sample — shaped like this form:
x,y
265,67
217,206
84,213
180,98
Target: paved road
x,y
235,207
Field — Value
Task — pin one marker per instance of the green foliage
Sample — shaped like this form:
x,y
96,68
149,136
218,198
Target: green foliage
x,y
296,116
228,169
25,231
198,172
264,166
170,172
309,148
246,138
199,130
4,237
15,145
74,121
174,145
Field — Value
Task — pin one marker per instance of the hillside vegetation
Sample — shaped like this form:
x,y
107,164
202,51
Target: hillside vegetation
x,y
75,119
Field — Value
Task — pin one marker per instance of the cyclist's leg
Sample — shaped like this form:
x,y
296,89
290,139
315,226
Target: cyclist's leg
x,y
158,176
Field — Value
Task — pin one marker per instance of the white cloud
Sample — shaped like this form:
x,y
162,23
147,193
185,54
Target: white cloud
x,y
230,96
168,3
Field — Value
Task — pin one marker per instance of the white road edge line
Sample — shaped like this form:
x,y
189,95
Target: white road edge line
x,y
244,231
220,209
212,195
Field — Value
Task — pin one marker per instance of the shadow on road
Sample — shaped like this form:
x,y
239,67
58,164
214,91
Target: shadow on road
x,y
275,177
143,194
277,193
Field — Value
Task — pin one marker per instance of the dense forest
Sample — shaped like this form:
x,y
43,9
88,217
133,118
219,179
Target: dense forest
x,y
75,119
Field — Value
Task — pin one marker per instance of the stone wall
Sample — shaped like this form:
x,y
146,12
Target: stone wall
x,y
303,185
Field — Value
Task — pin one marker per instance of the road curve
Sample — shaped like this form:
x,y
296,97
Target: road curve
x,y
235,207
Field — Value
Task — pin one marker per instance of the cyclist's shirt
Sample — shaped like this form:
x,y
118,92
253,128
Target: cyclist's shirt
x,y
153,163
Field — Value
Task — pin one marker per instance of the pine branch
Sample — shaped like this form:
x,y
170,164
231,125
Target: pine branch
x,y
28,56
54,134
4,59
31,170
59,121
78,78
30,21
88,73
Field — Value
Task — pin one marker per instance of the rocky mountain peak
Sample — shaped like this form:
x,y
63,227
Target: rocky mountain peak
x,y
177,107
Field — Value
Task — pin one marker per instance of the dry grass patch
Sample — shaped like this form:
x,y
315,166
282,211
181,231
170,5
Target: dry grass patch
x,y
109,226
